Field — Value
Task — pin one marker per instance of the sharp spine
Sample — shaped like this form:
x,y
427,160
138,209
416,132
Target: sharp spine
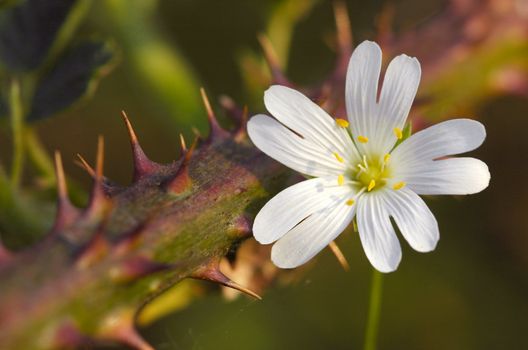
x,y
272,60
66,212
143,166
211,272
216,131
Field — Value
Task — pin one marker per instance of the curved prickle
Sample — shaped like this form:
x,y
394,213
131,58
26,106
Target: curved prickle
x,y
143,166
211,272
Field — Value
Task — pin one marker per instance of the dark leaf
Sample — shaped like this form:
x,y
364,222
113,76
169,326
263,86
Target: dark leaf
x,y
4,110
28,31
74,76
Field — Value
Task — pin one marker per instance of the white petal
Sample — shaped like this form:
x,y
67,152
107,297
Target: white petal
x,y
416,222
377,234
397,95
274,139
306,118
294,204
449,176
444,139
362,87
308,238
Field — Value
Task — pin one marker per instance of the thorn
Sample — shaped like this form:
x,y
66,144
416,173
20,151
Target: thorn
x,y
99,161
61,179
84,164
241,133
339,256
181,181
211,272
230,107
384,24
216,130
66,212
329,95
245,116
182,144
99,203
273,61
135,268
143,166
97,191
119,327
343,28
109,187
240,116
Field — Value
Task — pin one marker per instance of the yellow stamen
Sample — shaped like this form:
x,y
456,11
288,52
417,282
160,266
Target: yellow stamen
x,y
338,157
386,158
399,185
362,139
340,180
398,133
342,123
350,202
371,185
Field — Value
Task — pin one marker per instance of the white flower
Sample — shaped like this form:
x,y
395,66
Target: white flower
x,y
357,167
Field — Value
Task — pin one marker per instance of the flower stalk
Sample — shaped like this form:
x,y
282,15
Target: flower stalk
x,y
15,102
374,311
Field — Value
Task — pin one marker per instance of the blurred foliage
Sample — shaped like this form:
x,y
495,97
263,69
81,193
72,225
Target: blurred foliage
x,y
44,71
163,73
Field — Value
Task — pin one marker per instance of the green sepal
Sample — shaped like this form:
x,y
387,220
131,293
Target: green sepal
x,y
406,132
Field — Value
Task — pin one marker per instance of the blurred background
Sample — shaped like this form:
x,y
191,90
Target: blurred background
x,y
470,293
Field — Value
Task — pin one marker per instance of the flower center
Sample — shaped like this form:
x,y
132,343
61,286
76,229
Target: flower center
x,y
372,173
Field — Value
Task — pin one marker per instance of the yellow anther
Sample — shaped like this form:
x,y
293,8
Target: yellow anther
x,y
386,158
350,202
398,133
399,185
371,185
342,123
338,157
362,139
340,180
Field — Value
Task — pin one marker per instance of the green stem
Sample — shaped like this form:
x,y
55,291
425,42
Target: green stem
x,y
38,156
376,291
17,129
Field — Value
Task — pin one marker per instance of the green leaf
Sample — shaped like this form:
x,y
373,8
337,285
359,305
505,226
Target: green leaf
x,y
28,31
75,76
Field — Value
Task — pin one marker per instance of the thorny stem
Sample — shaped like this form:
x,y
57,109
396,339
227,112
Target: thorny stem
x,y
15,103
376,289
